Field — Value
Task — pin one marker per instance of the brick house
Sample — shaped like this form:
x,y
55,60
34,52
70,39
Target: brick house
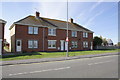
x,y
35,33
2,24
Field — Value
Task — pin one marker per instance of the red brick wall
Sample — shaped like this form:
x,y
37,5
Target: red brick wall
x,y
3,29
89,40
22,34
2,34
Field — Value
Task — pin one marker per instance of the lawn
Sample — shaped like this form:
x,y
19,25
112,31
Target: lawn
x,y
35,55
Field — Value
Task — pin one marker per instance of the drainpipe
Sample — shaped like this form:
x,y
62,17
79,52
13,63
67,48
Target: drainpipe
x,y
43,37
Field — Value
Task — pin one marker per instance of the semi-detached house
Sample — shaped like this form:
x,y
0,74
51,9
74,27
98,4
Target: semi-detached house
x,y
2,24
35,33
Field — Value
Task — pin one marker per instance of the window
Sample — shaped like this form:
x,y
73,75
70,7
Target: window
x,y
32,30
18,43
52,32
51,43
32,44
85,44
74,33
35,30
35,43
85,34
74,44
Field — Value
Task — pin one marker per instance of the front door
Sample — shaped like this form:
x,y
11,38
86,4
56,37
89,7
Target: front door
x,y
66,46
18,45
91,46
62,45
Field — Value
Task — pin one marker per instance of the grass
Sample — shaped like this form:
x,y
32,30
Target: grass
x,y
6,48
35,55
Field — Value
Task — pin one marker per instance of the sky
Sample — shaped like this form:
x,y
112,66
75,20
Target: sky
x,y
100,17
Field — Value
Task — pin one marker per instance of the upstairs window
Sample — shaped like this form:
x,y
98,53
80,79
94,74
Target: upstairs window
x,y
74,33
74,44
52,32
85,34
32,30
35,30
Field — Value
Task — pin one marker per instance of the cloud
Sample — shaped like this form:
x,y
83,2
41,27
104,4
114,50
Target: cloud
x,y
94,6
53,9
1,10
82,14
82,17
90,21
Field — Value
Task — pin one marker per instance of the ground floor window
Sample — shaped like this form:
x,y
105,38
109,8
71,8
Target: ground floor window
x,y
85,44
51,43
32,44
74,44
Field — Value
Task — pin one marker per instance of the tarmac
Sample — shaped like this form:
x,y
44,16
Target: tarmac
x,y
29,61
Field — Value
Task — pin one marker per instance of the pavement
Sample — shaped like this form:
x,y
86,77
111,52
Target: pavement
x,y
29,61
96,67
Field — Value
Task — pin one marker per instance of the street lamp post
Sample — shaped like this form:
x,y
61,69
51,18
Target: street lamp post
x,y
67,55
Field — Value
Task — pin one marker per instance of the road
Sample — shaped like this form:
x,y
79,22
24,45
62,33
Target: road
x,y
98,67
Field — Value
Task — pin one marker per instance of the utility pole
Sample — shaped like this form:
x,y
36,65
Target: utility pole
x,y
67,55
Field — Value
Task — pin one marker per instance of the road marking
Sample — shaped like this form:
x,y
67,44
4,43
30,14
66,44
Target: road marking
x,y
39,71
11,65
100,62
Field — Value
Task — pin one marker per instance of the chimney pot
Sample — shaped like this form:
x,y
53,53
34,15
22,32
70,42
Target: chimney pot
x,y
37,14
71,20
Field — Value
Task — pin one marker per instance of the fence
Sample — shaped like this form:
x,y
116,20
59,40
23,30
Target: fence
x,y
106,47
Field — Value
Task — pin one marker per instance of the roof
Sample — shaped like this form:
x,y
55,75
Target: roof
x,y
109,41
2,21
47,22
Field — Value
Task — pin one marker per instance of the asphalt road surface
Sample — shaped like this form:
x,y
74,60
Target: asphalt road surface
x,y
98,67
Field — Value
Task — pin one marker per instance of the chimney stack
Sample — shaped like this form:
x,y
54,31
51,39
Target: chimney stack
x,y
37,14
71,20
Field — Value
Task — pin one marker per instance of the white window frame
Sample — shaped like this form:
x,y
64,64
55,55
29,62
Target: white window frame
x,y
35,43
85,44
35,30
85,34
74,33
51,43
74,44
32,42
32,30
51,32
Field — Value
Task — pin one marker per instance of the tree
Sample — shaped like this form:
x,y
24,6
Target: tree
x,y
97,41
118,43
104,42
101,37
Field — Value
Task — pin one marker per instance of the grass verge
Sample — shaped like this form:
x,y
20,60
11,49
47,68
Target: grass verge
x,y
35,55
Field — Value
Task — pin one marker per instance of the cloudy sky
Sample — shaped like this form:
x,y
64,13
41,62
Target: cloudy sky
x,y
100,17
